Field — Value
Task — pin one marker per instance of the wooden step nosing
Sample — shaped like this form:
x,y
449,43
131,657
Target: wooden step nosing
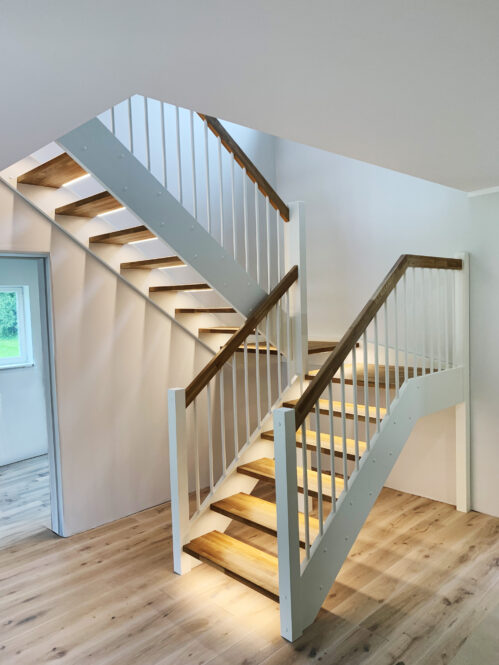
x,y
172,288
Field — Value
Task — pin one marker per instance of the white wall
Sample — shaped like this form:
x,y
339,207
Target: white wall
x,y
114,364
23,408
360,218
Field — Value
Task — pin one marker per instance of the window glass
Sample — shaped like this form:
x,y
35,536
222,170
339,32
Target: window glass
x,y
15,327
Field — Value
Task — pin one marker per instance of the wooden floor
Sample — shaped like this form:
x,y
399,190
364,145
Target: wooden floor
x,y
420,579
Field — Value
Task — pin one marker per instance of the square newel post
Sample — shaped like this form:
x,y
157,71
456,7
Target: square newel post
x,y
179,478
462,358
288,543
295,254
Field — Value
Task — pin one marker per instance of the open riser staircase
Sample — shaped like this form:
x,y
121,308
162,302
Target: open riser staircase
x,y
167,199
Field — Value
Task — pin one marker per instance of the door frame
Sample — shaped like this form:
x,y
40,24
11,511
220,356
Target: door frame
x,y
50,383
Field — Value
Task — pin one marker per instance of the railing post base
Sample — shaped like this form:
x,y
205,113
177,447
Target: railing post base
x,y
288,543
179,479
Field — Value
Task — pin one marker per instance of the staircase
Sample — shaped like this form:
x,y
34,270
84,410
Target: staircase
x,y
215,248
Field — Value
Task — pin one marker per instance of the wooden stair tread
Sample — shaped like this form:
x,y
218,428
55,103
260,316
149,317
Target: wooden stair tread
x,y
260,514
325,441
244,562
321,347
151,264
124,236
264,469
349,410
371,374
262,348
179,287
54,173
223,330
205,310
91,206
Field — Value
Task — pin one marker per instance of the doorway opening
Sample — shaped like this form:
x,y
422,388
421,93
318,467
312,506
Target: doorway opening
x,y
29,461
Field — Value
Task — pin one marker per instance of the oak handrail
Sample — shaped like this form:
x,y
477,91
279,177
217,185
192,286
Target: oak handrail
x,y
245,162
320,382
249,327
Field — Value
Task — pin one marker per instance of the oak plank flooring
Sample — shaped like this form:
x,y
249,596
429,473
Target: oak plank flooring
x,y
419,579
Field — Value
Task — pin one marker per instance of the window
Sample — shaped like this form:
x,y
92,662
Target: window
x,y
16,349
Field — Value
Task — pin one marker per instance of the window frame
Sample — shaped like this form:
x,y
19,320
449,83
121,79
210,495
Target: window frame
x,y
25,357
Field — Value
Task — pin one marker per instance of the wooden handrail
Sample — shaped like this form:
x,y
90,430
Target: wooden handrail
x,y
320,382
226,352
245,162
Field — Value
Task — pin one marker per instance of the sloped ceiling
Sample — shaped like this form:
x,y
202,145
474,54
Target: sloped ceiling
x,y
409,85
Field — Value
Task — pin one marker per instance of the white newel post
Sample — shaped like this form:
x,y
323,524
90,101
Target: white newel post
x,y
295,254
288,544
462,358
179,478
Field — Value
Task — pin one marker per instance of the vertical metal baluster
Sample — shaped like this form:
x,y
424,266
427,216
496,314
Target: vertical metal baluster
x,y
332,447
257,373
148,138
320,506
179,156
163,143
396,315
305,491
269,382
210,437
424,320
234,405
430,308
446,314
344,427
233,192
196,454
376,370
222,420
193,162
406,363
278,335
355,407
245,219
269,254
221,192
207,167
257,228
130,123
387,359
246,391
366,389
415,336
438,301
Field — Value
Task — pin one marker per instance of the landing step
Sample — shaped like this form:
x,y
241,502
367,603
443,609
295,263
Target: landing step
x,y
371,374
98,204
325,440
264,469
172,288
260,514
54,173
150,264
205,310
349,410
134,234
245,563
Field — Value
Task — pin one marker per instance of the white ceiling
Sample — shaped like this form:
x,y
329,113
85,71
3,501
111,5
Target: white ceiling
x,y
411,85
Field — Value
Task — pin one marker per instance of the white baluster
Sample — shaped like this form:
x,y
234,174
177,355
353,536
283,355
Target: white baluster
x,y
406,361
146,130
257,374
332,446
221,192
318,453
387,359
179,156
366,389
257,229
196,454
163,143
344,426
234,225
246,391
396,316
222,420
376,370
193,162
355,409
245,221
234,403
210,436
269,252
269,382
207,169
130,124
304,458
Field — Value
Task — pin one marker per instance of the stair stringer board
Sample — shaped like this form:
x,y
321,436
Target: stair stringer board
x,y
418,397
100,153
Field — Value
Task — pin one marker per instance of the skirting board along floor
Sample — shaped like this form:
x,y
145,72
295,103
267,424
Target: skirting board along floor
x,y
418,582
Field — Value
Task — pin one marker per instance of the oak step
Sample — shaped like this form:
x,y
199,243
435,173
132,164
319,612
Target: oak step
x,y
260,514
134,234
264,469
205,310
245,563
371,374
325,439
262,348
349,411
54,173
222,330
98,204
172,288
150,264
